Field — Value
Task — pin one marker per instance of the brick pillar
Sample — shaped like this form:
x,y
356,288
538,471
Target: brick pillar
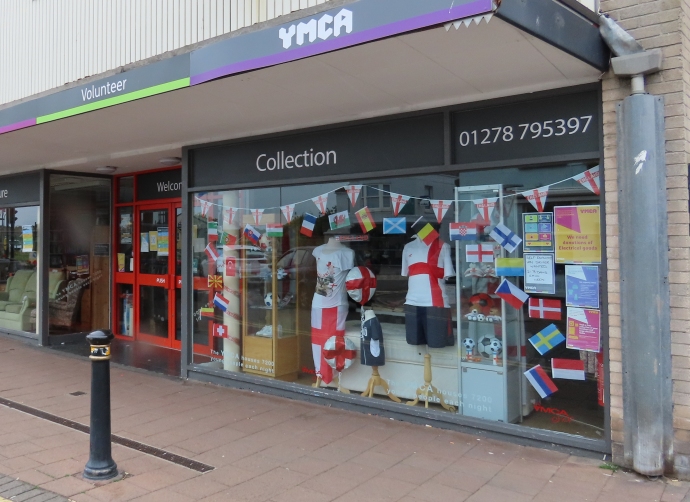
x,y
655,24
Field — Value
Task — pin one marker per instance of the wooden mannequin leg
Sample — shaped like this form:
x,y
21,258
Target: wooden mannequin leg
x,y
317,384
377,381
427,390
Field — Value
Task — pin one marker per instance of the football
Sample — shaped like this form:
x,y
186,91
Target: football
x,y
483,347
495,346
268,299
469,345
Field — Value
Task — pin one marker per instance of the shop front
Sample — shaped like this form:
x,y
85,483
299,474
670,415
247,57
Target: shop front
x,y
446,264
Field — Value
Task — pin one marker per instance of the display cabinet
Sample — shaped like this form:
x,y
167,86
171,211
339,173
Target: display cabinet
x,y
491,337
270,345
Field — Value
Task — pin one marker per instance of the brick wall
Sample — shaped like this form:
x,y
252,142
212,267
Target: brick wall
x,y
660,24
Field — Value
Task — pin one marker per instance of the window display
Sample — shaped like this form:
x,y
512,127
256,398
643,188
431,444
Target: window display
x,y
456,303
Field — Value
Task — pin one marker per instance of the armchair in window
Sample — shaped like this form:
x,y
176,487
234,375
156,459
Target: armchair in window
x,y
63,310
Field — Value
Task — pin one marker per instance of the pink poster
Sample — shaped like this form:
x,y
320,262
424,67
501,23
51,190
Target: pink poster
x,y
584,329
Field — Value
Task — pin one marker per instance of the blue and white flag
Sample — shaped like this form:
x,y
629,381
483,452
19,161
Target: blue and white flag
x,y
394,225
505,237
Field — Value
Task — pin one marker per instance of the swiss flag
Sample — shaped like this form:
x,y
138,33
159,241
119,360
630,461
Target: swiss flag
x,y
220,330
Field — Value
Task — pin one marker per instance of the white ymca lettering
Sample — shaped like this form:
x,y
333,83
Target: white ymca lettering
x,y
321,28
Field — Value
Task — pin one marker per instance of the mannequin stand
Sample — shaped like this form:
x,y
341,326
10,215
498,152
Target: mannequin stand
x,y
317,385
428,391
377,381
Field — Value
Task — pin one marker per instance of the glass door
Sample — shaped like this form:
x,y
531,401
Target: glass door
x,y
156,278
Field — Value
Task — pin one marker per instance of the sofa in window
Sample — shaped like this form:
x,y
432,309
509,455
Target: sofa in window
x,y
19,298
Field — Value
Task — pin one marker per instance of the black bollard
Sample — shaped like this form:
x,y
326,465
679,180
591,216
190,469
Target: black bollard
x,y
101,465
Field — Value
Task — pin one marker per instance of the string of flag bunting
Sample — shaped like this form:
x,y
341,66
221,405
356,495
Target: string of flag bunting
x,y
485,206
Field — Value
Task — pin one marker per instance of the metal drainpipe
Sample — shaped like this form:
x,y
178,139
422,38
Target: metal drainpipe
x,y
644,266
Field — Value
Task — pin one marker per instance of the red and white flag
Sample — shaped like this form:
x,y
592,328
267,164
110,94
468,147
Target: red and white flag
x,y
205,207
353,192
398,201
321,201
440,208
486,207
539,308
220,330
568,369
537,197
589,179
288,211
257,214
230,215
479,253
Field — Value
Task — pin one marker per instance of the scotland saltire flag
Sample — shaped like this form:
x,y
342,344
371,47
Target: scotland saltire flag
x,y
221,302
513,296
394,225
547,339
505,237
252,234
541,381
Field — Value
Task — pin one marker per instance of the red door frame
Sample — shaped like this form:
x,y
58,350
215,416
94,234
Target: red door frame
x,y
173,282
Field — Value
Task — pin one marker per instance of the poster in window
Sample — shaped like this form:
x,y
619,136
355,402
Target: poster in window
x,y
162,241
582,286
82,264
584,329
578,234
144,248
125,228
27,238
538,232
153,240
540,275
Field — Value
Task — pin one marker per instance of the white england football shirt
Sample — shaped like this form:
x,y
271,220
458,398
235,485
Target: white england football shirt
x,y
332,267
423,289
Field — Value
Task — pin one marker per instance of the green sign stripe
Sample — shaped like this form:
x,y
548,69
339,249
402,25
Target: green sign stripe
x,y
116,100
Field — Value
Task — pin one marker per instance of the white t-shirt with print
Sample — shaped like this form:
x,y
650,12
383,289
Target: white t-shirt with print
x,y
419,291
332,266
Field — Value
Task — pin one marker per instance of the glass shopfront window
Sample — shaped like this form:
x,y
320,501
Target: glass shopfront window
x,y
80,235
18,262
481,290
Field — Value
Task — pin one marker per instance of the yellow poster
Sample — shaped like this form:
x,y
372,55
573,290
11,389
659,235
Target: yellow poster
x,y
578,234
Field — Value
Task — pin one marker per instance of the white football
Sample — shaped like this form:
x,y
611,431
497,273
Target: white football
x,y
480,317
495,346
268,299
469,344
483,346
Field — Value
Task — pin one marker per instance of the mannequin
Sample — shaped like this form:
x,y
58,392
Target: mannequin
x,y
372,354
428,319
329,306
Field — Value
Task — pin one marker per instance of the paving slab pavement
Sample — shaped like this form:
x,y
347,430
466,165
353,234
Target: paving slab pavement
x,y
265,448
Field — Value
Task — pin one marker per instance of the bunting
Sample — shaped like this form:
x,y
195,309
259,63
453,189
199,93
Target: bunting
x,y
205,207
589,179
353,192
486,207
440,208
537,197
257,214
321,201
288,211
398,201
230,215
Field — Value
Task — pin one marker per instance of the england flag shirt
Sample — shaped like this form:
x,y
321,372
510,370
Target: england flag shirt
x,y
332,267
427,267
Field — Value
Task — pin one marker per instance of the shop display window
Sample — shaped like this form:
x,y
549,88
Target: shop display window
x,y
18,262
475,293
80,235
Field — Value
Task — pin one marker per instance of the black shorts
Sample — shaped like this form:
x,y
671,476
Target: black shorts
x,y
430,326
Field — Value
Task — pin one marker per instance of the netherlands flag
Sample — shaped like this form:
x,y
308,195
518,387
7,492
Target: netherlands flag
x,y
308,224
541,381
513,296
568,369
221,302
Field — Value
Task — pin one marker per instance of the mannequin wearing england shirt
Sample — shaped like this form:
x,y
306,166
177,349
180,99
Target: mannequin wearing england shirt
x,y
329,306
428,319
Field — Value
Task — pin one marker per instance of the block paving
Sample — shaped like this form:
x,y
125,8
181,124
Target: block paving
x,y
266,448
